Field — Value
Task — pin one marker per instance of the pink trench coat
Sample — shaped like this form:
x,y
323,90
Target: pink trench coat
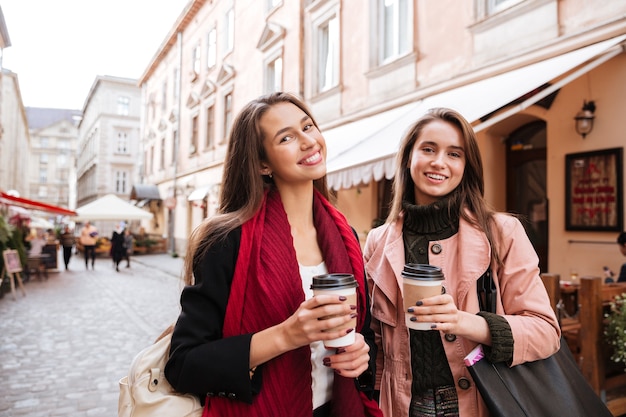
x,y
523,301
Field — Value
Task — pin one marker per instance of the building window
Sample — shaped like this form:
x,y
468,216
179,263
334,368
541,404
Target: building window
x,y
395,23
62,160
121,182
495,6
229,30
193,146
211,50
43,176
274,75
272,4
174,143
43,158
176,84
45,142
123,106
151,160
122,142
63,144
162,159
210,127
228,114
195,57
43,191
152,107
164,96
328,54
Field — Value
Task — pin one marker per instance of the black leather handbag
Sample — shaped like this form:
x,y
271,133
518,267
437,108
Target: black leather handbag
x,y
544,388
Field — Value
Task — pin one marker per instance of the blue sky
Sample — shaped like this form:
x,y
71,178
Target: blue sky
x,y
58,47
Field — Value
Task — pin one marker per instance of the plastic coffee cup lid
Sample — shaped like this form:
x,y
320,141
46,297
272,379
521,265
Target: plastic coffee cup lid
x,y
423,272
333,281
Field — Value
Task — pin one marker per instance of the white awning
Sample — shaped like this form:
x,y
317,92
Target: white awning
x,y
111,207
199,193
364,150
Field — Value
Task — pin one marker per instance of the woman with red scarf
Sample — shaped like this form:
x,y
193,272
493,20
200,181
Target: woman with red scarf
x,y
249,339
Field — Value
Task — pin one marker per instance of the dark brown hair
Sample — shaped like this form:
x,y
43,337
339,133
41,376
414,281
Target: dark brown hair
x,y
243,185
469,195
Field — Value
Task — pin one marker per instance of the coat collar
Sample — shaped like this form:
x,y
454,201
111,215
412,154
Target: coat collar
x,y
472,261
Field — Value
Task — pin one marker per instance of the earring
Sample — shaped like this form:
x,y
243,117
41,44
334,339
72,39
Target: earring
x,y
270,175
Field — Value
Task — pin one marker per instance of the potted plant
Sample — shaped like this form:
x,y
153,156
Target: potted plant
x,y
11,237
615,330
139,246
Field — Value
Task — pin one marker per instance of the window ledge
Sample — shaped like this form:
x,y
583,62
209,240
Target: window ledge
x,y
502,17
326,93
384,69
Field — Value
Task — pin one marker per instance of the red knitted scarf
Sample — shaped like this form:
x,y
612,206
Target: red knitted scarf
x,y
267,289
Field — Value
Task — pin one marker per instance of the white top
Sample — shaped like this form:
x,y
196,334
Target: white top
x,y
322,375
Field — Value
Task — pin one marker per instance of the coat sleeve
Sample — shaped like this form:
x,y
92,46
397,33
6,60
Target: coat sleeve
x,y
525,301
201,361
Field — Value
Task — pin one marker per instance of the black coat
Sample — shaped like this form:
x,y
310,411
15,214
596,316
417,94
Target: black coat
x,y
118,251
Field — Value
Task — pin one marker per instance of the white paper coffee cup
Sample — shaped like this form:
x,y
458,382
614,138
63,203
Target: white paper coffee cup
x,y
338,284
419,281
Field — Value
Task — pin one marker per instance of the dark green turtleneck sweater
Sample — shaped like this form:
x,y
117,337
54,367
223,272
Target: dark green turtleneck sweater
x,y
423,224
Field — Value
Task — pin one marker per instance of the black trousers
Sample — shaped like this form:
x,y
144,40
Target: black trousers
x,y
90,253
67,254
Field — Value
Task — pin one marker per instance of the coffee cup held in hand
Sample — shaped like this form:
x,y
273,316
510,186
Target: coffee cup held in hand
x,y
419,281
338,284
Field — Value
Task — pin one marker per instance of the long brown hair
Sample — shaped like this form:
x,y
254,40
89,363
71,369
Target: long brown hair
x,y
470,193
243,185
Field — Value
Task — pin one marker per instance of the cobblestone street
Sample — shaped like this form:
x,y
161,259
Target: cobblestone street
x,y
65,345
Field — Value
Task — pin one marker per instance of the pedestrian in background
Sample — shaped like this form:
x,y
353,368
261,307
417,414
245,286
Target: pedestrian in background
x,y
128,245
37,242
67,241
438,216
118,251
248,332
88,238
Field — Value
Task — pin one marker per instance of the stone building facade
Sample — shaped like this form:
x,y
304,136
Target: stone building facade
x,y
519,70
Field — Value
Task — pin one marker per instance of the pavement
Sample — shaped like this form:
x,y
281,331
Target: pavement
x,y
67,342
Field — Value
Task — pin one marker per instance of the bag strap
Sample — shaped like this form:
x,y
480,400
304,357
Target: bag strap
x,y
487,293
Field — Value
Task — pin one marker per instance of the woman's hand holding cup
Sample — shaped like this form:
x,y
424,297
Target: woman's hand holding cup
x,y
323,317
350,361
343,286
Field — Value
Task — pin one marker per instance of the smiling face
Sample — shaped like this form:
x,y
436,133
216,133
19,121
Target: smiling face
x,y
437,161
294,147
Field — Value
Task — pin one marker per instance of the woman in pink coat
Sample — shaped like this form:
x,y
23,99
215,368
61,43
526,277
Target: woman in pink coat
x,y
438,216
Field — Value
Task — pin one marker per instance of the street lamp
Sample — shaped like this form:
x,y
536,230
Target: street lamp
x,y
584,118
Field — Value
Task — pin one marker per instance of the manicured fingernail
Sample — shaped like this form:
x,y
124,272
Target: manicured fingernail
x,y
349,330
338,371
410,310
352,307
326,361
413,318
419,303
353,315
342,298
340,350
433,326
